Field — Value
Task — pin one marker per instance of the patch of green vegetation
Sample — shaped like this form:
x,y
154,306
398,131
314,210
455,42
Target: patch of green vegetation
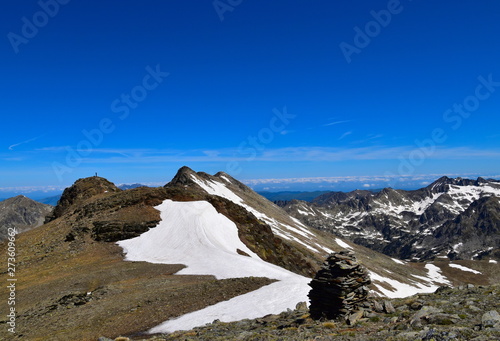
x,y
445,322
406,314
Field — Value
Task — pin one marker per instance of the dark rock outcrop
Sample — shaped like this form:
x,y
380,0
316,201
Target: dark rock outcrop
x,y
81,190
115,230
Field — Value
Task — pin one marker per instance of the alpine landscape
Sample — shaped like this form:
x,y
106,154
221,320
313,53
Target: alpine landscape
x,y
250,170
146,261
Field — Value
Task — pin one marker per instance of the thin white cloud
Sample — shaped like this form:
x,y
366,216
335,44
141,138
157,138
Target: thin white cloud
x,y
336,122
288,154
368,180
344,135
31,189
368,138
12,146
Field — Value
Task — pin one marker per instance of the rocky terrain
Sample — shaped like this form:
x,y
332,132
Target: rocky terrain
x,y
21,213
73,282
450,218
464,313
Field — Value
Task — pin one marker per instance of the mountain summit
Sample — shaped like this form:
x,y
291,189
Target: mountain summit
x,y
81,190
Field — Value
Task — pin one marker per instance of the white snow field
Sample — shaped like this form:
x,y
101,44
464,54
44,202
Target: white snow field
x,y
196,235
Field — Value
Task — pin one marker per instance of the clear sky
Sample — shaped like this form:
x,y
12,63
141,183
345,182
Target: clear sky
x,y
260,89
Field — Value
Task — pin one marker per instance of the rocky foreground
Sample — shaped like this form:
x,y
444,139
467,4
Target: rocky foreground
x,y
463,313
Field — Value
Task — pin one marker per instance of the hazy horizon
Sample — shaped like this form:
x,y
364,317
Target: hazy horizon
x,y
329,184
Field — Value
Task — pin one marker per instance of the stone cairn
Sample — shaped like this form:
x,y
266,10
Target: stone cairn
x,y
339,287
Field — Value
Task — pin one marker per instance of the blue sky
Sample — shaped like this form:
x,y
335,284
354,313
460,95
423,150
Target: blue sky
x,y
262,90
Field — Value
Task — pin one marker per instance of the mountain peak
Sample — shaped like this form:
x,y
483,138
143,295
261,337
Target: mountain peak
x,y
440,185
441,181
18,199
21,213
223,175
81,190
183,177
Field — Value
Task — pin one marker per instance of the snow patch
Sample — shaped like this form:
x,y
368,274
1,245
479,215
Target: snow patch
x,y
457,246
416,207
492,261
434,274
216,188
271,299
225,178
433,278
421,277
400,289
463,268
303,212
398,261
326,249
342,244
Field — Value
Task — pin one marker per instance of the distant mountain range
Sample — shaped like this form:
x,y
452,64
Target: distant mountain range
x,y
450,218
50,200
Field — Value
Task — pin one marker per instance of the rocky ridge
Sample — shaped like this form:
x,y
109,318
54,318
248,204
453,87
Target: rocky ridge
x,y
453,218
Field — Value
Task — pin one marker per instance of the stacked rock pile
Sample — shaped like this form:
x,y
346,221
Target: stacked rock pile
x,y
339,287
